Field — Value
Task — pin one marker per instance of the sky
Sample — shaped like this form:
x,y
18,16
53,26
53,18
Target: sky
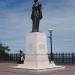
x,y
15,23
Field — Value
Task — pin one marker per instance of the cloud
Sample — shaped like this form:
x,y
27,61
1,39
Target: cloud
x,y
15,22
70,28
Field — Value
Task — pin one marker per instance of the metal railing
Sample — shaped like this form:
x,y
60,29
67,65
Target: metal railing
x,y
59,58
64,58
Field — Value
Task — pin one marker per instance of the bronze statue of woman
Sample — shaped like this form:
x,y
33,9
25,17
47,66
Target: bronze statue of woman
x,y
36,16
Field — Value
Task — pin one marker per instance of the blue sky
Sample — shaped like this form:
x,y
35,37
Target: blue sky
x,y
15,23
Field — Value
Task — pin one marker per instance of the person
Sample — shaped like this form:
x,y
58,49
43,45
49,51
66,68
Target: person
x,y
36,15
21,57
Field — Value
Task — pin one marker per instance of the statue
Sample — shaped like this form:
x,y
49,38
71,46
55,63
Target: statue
x,y
36,16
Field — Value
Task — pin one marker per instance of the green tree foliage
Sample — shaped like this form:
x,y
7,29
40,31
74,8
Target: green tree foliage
x,y
4,49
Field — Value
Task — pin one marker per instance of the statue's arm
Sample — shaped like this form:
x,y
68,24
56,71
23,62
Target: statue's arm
x,y
32,12
40,7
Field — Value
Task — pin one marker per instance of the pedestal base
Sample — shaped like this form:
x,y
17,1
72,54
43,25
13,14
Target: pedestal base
x,y
37,53
51,67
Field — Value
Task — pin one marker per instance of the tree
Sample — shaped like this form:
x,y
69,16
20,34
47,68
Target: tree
x,y
4,49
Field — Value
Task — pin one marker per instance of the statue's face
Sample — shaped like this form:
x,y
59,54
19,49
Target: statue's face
x,y
35,1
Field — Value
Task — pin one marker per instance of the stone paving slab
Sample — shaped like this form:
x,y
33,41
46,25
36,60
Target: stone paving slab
x,y
6,70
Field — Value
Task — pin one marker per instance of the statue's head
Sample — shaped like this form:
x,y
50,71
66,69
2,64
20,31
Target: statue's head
x,y
35,1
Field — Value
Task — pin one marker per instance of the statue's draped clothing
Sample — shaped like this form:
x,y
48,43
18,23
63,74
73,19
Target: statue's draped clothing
x,y
36,16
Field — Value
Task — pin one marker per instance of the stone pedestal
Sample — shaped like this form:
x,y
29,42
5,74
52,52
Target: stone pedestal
x,y
36,52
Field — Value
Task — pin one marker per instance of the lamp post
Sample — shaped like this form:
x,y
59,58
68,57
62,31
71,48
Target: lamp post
x,y
50,31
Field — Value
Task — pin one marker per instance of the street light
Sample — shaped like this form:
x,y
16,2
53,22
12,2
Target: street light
x,y
50,31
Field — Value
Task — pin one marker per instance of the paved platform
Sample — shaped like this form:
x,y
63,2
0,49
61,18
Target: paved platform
x,y
6,70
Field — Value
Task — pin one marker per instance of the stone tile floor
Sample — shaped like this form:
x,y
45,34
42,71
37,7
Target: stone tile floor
x,y
5,69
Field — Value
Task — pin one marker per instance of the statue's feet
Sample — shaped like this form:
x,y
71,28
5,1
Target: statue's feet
x,y
35,30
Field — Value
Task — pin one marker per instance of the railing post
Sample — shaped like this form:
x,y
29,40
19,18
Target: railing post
x,y
72,57
62,57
